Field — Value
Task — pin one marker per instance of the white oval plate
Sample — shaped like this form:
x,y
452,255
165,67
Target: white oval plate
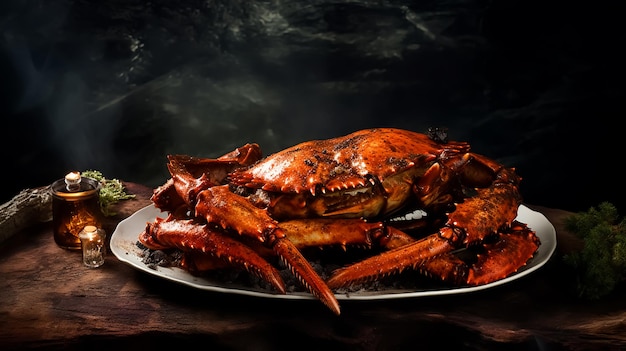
x,y
124,247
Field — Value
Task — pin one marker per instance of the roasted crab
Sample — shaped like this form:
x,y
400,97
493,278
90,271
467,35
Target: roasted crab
x,y
375,187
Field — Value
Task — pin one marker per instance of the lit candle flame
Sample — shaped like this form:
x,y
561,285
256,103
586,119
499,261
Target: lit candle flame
x,y
91,232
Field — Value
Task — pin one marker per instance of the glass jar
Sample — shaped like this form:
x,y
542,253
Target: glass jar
x,y
75,205
92,243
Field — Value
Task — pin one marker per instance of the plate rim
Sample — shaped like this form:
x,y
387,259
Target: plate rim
x,y
178,275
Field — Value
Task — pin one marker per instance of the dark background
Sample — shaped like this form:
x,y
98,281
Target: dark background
x,y
117,85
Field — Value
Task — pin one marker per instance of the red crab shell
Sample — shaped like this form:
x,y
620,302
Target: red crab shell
x,y
305,180
341,163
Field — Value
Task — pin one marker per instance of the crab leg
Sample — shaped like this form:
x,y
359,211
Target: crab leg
x,y
500,259
343,232
390,262
218,205
472,221
194,238
198,262
505,256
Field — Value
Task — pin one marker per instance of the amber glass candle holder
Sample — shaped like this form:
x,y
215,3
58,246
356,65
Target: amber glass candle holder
x,y
75,204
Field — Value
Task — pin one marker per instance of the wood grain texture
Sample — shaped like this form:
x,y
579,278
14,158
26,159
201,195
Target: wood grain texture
x,y
49,300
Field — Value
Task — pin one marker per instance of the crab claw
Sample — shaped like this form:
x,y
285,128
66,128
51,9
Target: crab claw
x,y
219,206
308,277
389,262
191,237
499,258
472,221
191,175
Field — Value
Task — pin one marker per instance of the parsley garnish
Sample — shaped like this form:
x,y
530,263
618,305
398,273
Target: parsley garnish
x,y
111,191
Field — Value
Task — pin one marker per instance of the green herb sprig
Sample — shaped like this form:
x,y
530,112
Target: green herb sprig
x,y
111,191
601,263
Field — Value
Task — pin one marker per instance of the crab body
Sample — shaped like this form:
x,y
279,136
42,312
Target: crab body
x,y
366,174
362,188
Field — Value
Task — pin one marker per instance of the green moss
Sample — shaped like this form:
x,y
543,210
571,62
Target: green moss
x,y
601,263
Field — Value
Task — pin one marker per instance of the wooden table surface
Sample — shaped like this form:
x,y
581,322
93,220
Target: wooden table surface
x,y
49,300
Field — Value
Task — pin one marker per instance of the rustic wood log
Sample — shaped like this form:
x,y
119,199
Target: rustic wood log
x,y
25,209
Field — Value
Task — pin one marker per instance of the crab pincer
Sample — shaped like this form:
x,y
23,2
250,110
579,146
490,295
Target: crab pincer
x,y
195,238
219,206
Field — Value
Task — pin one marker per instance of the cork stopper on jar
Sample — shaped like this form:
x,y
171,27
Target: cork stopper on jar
x,y
72,181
